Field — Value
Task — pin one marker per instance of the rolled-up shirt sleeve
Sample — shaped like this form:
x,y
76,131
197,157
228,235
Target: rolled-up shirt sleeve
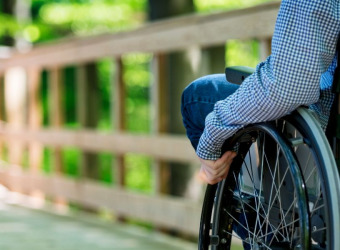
x,y
303,48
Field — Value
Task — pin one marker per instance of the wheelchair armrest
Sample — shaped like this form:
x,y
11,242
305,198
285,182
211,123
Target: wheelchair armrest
x,y
237,74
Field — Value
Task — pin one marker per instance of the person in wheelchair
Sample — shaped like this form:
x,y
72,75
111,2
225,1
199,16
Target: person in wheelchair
x,y
299,72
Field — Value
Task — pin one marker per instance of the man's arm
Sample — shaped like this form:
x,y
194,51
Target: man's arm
x,y
303,47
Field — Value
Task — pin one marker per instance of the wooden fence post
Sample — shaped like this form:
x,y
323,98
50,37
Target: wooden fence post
x,y
159,117
15,105
88,112
34,116
2,109
118,94
56,107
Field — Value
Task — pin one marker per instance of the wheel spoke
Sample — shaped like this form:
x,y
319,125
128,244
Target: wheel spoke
x,y
317,208
291,206
271,190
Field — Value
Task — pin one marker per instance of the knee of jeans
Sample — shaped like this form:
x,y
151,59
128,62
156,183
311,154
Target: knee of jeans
x,y
188,93
194,91
210,88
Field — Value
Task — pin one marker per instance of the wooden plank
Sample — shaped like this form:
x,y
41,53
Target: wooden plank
x,y
56,98
88,112
56,111
159,118
118,96
118,117
175,213
159,95
169,35
165,147
2,108
15,105
34,116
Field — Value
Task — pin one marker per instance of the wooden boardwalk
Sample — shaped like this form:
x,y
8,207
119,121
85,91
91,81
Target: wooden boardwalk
x,y
28,223
22,228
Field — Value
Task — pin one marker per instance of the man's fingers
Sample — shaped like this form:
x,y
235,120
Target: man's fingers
x,y
220,164
226,173
207,178
215,171
213,178
226,157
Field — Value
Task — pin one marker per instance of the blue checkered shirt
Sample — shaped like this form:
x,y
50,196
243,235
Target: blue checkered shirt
x,y
298,72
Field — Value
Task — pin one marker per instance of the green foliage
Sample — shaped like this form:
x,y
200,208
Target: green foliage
x,y
137,77
92,17
59,18
138,176
71,161
213,5
242,53
55,19
32,33
25,160
69,96
9,26
47,164
137,72
105,73
105,167
44,97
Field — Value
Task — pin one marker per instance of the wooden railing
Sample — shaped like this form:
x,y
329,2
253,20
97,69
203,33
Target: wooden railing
x,y
22,71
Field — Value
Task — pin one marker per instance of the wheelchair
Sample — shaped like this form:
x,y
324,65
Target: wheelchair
x,y
282,190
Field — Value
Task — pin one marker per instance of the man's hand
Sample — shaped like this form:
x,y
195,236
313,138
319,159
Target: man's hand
x,y
215,171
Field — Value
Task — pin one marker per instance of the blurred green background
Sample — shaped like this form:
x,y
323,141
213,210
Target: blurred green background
x,y
48,21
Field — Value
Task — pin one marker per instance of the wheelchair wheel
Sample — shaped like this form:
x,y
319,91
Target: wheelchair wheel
x,y
320,175
282,191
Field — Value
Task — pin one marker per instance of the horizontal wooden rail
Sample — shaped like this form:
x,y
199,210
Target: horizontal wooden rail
x,y
177,213
165,147
169,35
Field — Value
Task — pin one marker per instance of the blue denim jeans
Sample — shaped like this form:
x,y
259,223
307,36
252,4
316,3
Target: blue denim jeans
x,y
198,100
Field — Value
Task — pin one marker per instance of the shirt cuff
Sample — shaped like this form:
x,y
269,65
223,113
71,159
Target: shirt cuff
x,y
206,150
